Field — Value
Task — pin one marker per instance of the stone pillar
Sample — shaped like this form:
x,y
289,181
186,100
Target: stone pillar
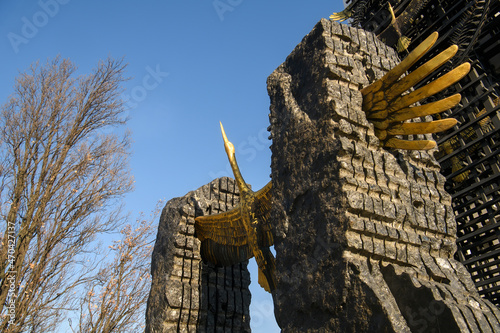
x,y
186,294
364,236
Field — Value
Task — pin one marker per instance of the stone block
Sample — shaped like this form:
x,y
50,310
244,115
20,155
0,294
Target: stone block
x,y
390,249
354,240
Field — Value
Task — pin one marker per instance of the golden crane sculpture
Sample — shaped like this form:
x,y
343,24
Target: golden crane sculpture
x,y
394,34
387,105
243,232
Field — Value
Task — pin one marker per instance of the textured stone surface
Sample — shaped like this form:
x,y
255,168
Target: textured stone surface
x,y
186,294
365,237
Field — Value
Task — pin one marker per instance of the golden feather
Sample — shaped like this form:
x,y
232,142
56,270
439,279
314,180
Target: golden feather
x,y
387,105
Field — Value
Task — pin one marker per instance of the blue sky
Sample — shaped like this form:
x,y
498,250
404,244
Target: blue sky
x,y
192,64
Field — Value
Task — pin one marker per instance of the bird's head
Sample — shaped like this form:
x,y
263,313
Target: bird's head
x,y
228,145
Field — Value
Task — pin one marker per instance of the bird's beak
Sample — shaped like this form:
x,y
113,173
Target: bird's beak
x,y
226,141
391,11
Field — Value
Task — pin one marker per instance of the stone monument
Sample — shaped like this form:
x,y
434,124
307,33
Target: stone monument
x,y
188,295
364,236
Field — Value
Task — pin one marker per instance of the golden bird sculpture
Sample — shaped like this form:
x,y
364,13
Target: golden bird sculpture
x,y
243,232
388,106
394,34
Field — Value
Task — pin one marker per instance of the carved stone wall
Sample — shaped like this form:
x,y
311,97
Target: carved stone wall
x,y
186,294
365,237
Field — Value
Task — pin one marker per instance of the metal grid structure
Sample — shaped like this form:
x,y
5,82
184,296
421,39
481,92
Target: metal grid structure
x,y
468,153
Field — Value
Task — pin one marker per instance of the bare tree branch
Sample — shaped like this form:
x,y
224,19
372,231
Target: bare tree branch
x,y
62,170
117,295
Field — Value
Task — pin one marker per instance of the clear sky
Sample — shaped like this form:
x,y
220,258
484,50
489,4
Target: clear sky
x,y
192,64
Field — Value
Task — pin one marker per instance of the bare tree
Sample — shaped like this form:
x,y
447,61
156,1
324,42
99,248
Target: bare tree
x,y
116,297
63,168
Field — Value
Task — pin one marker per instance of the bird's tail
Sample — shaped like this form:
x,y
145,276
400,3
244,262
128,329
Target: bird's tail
x,y
263,281
267,279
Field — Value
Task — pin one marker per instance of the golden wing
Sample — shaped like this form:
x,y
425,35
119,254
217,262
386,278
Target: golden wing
x,y
262,210
387,106
223,228
223,238
224,255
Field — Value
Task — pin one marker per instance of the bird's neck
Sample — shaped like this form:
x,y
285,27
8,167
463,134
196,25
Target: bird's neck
x,y
242,186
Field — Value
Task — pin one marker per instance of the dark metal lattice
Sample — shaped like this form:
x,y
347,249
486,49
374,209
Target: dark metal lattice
x,y
468,153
